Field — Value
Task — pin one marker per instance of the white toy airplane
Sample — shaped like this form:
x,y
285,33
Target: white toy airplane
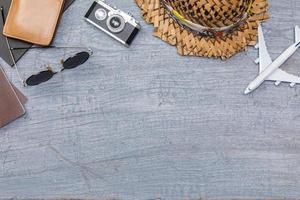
x,y
268,70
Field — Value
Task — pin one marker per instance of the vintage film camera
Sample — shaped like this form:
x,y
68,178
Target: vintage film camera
x,y
116,23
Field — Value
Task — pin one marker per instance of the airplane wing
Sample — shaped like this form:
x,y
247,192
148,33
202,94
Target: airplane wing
x,y
264,57
297,34
282,76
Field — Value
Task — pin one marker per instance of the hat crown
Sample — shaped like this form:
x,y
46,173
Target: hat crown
x,y
211,13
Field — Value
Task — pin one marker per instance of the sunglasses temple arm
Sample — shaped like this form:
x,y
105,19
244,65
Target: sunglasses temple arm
x,y
46,47
14,62
2,15
27,48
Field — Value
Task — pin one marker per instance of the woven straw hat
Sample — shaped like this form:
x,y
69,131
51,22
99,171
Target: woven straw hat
x,y
209,28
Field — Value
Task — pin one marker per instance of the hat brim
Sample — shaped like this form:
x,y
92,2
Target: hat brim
x,y
188,43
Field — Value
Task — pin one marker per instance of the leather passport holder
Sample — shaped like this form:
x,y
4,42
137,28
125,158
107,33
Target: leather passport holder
x,y
11,101
4,52
33,21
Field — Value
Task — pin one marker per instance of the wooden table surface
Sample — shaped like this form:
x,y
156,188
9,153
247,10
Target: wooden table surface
x,y
143,123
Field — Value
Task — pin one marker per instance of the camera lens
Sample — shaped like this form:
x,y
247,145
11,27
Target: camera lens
x,y
115,23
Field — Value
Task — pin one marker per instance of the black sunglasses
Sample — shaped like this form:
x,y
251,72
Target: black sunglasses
x,y
70,63
43,76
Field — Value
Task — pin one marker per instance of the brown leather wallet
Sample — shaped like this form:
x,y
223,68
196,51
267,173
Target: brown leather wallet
x,y
11,101
33,21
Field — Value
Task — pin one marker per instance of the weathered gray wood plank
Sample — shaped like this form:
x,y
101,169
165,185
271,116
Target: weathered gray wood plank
x,y
143,122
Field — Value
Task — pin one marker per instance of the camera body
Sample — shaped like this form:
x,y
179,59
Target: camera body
x,y
116,23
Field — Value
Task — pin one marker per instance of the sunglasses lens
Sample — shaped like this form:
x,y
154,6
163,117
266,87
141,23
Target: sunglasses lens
x,y
76,60
39,78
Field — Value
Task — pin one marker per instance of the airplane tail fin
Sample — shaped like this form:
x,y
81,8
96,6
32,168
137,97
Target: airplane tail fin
x,y
297,34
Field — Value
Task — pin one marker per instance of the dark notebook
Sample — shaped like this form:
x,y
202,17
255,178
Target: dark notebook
x,y
4,52
11,101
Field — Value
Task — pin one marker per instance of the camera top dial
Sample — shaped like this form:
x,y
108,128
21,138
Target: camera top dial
x,y
101,14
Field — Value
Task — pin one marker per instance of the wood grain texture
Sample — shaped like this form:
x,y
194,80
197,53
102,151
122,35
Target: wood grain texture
x,y
145,123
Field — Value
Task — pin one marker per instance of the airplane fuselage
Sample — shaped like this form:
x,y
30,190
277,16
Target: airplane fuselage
x,y
272,68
